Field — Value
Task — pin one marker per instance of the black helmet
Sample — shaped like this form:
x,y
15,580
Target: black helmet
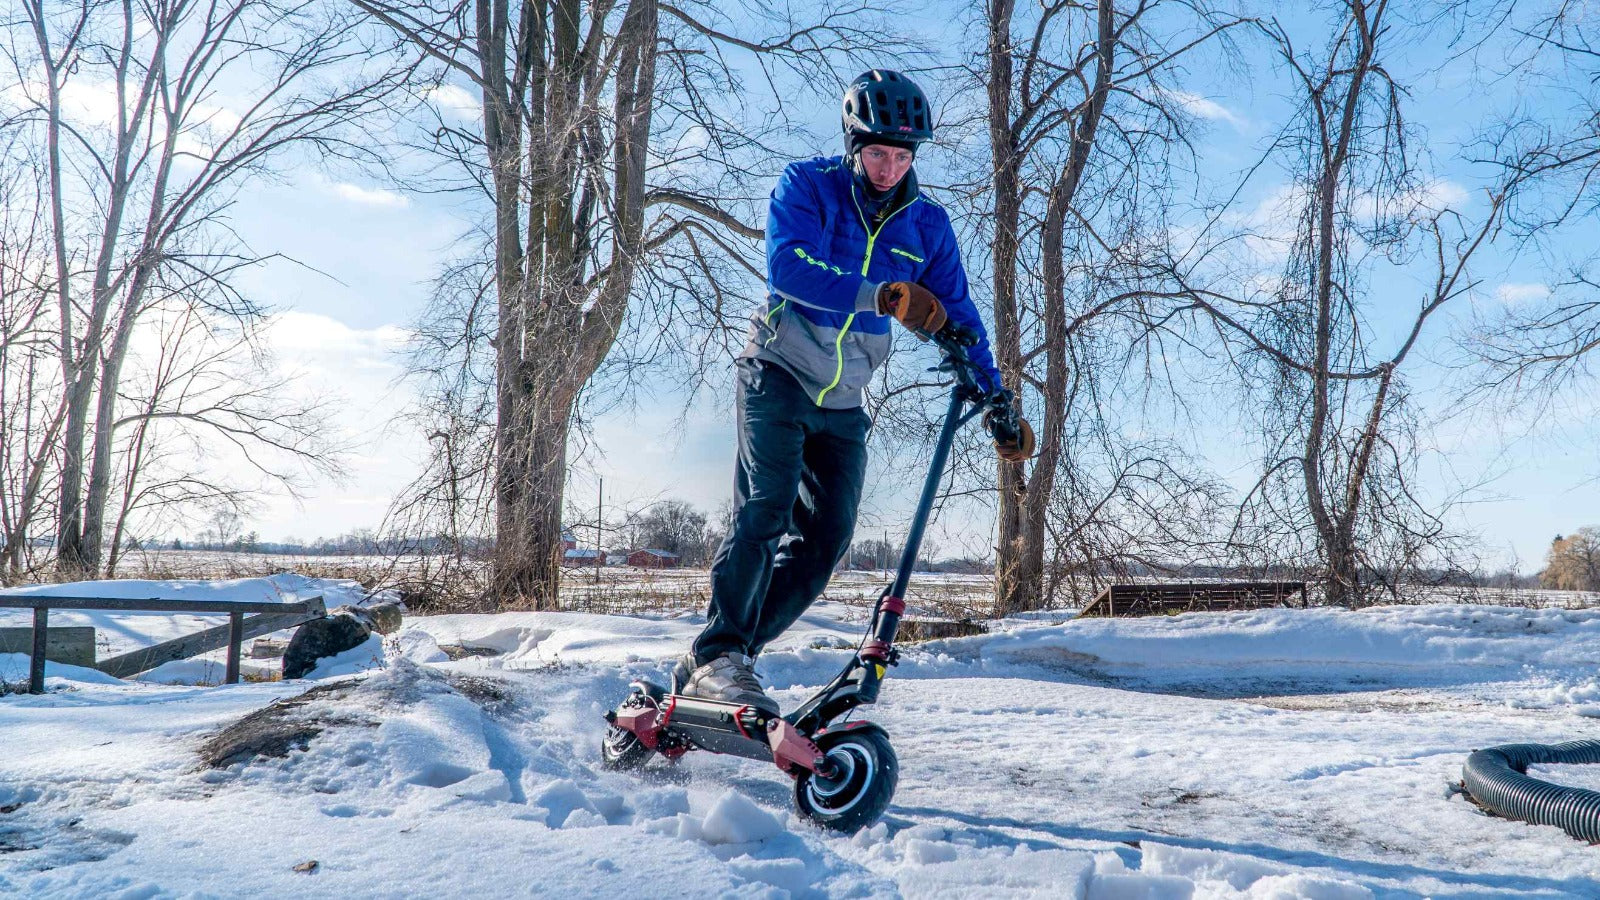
x,y
885,106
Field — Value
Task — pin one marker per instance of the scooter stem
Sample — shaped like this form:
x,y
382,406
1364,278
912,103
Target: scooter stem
x,y
891,606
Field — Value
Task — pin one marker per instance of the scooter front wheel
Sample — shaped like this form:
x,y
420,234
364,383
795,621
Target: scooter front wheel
x,y
864,772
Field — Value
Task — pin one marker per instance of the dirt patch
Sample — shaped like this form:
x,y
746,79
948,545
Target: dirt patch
x,y
1369,701
457,651
272,731
492,694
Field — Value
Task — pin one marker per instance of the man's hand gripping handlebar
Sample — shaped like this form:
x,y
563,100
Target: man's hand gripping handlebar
x,y
1013,436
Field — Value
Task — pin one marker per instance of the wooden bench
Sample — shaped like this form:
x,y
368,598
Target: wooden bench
x,y
1166,599
269,616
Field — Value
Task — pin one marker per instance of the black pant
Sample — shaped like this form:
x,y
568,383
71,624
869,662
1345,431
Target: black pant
x,y
796,488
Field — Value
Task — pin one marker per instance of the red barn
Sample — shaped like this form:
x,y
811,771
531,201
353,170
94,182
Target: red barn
x,y
653,559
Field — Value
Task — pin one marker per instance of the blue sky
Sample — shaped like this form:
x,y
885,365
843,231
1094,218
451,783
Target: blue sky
x,y
364,253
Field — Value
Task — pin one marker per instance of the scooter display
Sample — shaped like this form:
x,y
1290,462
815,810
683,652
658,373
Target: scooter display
x,y
844,770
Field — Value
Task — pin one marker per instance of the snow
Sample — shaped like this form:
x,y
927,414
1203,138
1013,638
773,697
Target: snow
x,y
1269,754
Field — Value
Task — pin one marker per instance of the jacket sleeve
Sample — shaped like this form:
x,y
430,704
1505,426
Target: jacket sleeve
x,y
947,279
797,268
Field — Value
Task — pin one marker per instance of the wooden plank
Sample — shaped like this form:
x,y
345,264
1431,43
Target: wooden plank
x,y
157,604
235,638
72,645
201,642
41,633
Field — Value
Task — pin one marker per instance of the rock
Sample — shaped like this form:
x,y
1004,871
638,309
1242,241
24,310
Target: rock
x,y
307,867
384,618
343,629
328,636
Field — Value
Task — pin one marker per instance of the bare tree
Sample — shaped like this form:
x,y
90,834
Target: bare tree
x,y
1082,122
206,392
671,525
598,120
149,117
1542,343
1336,495
32,406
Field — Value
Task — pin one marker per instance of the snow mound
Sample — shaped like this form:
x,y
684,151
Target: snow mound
x,y
736,820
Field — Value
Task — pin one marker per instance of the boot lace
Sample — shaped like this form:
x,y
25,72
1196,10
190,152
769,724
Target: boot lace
x,y
744,675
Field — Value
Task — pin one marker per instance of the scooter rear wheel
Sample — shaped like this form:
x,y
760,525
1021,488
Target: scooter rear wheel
x,y
865,772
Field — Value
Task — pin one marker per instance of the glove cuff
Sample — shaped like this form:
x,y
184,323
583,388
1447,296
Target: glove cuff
x,y
869,298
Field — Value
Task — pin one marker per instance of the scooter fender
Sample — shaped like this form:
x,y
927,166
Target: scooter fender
x,y
856,726
790,748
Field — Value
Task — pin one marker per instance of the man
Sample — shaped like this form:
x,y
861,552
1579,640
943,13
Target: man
x,y
851,244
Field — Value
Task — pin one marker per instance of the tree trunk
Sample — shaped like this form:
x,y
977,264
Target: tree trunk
x,y
1337,548
105,427
1024,502
527,564
552,333
1011,582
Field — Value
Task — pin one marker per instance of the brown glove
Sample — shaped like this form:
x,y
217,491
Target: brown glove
x,y
913,305
1010,444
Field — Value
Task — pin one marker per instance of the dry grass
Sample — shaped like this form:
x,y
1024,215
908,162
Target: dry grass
x,y
436,585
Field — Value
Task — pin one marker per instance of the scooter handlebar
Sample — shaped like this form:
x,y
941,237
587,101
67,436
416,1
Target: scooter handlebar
x,y
957,335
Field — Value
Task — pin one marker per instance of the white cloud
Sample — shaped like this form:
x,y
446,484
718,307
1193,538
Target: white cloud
x,y
324,339
1439,194
378,197
1205,107
455,101
1513,293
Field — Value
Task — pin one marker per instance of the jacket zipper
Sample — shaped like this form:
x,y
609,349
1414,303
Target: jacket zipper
x,y
866,262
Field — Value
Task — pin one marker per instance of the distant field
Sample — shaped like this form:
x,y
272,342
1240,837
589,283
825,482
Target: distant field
x,y
613,589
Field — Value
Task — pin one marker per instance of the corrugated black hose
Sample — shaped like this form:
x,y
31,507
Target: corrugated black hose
x,y
1498,779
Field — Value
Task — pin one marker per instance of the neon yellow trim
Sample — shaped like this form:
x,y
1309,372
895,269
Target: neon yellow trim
x,y
872,236
911,256
838,358
800,252
866,263
774,311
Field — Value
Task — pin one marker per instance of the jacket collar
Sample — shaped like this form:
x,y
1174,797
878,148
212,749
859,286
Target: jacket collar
x,y
903,195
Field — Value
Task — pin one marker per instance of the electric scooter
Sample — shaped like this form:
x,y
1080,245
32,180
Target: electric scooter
x,y
844,772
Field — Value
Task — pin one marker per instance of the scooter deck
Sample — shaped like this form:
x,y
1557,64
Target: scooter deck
x,y
732,728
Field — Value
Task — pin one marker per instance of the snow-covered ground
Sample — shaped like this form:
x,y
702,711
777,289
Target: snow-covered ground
x,y
1272,754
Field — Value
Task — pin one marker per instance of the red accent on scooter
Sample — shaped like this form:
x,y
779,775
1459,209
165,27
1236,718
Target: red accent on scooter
x,y
644,721
894,605
791,749
877,651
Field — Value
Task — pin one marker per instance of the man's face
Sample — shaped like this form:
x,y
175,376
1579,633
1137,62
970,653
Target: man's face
x,y
885,166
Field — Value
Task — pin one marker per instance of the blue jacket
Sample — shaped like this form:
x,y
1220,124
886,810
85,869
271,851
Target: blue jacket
x,y
825,261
